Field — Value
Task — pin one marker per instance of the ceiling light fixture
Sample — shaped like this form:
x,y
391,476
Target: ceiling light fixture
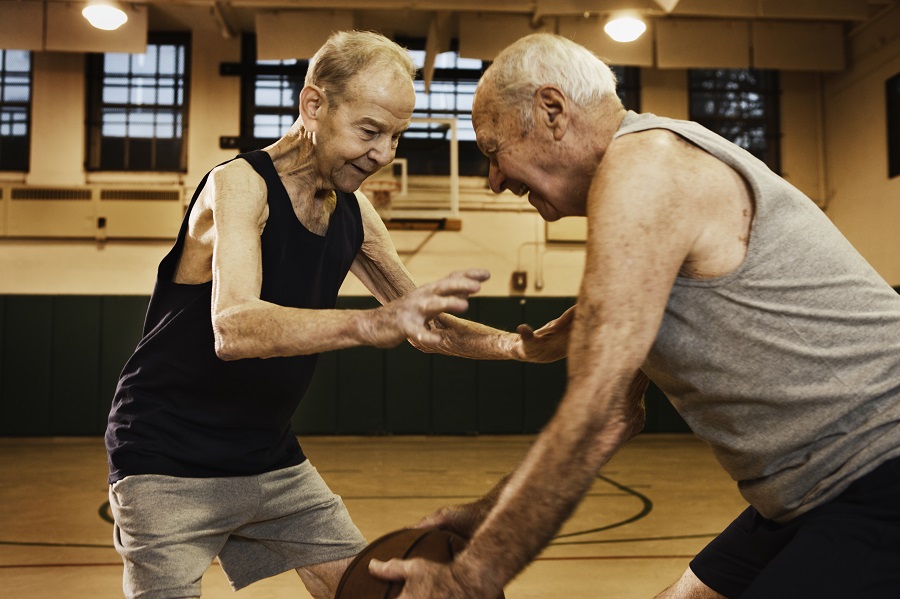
x,y
104,14
625,28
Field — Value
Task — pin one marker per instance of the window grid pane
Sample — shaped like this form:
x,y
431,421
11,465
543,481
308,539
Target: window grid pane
x,y
741,105
276,97
628,86
141,81
271,89
449,96
15,109
139,108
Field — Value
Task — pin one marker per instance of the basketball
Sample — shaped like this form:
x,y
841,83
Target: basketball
x,y
427,543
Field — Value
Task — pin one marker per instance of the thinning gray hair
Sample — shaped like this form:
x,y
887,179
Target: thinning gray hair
x,y
547,59
346,53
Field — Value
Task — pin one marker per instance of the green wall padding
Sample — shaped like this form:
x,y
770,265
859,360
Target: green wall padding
x,y
317,414
75,406
121,323
61,356
544,384
2,361
407,382
360,384
501,405
28,349
454,399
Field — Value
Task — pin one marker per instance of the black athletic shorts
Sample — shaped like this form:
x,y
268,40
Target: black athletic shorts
x,y
848,548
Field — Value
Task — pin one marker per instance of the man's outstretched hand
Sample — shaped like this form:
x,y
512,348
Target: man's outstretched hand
x,y
548,343
409,317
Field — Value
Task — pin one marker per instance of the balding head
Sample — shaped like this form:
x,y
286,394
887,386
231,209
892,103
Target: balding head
x,y
348,53
544,59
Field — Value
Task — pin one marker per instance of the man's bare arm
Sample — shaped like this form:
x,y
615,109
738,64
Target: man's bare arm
x,y
465,518
380,269
641,229
246,326
644,221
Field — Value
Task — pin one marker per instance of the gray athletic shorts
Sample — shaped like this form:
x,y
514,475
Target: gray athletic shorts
x,y
169,529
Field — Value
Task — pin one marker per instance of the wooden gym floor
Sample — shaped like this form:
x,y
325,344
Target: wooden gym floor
x,y
660,500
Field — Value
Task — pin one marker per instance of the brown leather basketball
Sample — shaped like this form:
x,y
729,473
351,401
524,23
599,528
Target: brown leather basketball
x,y
427,543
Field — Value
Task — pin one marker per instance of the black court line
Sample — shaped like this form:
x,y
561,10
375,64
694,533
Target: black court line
x,y
596,558
708,535
598,542
448,497
105,513
646,508
94,565
539,559
49,544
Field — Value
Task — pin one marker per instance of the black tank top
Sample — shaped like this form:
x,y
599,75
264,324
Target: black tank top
x,y
180,410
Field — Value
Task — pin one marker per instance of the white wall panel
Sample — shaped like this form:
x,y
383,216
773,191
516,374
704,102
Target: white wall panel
x,y
589,33
780,9
719,8
483,36
815,9
694,43
21,25
286,34
69,31
798,46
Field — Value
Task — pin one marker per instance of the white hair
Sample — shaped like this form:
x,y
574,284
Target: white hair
x,y
547,59
346,53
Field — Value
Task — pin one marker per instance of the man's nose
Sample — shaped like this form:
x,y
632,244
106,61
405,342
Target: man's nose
x,y
382,152
496,179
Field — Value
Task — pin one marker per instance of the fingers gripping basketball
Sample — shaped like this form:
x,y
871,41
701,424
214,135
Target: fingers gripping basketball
x,y
426,543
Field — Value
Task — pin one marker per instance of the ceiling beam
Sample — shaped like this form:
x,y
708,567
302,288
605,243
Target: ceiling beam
x,y
438,41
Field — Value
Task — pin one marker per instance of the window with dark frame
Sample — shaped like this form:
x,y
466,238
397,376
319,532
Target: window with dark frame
x,y
270,91
741,105
276,96
628,86
270,96
15,109
426,146
892,98
137,107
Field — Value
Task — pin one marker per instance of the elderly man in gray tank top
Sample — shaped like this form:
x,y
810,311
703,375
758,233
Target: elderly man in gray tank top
x,y
726,286
203,462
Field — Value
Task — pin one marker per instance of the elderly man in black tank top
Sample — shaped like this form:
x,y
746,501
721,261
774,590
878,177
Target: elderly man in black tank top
x,y
203,463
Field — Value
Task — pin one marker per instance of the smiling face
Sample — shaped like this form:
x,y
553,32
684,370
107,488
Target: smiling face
x,y
358,135
522,161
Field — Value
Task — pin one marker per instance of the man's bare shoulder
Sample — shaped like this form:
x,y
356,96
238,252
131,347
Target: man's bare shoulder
x,y
235,187
663,162
679,189
237,175
651,149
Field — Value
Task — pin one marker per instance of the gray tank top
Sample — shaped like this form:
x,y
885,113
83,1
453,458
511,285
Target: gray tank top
x,y
789,367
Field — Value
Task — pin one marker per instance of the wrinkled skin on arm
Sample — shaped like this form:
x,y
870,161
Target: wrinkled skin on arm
x,y
464,519
654,211
223,245
379,268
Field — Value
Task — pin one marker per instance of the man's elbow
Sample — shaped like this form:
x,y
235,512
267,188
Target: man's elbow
x,y
230,343
227,349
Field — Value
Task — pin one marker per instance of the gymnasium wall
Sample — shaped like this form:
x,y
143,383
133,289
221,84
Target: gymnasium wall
x,y
71,311
862,201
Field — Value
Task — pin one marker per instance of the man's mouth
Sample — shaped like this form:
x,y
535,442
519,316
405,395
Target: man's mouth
x,y
521,190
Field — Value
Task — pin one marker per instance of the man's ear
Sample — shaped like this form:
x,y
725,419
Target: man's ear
x,y
552,109
312,100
